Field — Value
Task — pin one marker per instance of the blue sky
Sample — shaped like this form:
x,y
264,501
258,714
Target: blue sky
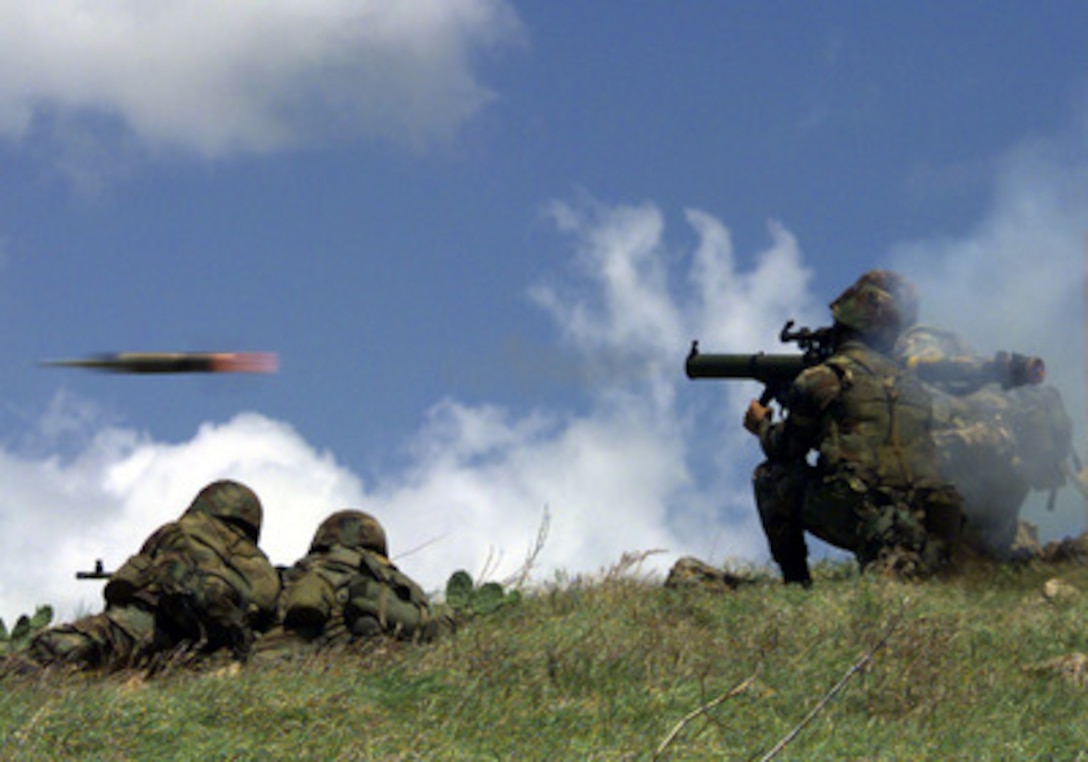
x,y
480,234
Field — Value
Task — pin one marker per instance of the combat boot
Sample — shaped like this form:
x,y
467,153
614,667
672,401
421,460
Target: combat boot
x,y
796,573
18,666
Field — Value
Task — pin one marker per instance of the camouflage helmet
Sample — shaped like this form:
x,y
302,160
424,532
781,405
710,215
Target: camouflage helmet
x,y
232,502
351,529
881,304
930,343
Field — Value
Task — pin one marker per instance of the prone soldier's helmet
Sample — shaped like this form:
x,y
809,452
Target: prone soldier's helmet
x,y
232,502
351,529
880,305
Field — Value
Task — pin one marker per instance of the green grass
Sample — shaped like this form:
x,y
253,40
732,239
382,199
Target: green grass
x,y
608,668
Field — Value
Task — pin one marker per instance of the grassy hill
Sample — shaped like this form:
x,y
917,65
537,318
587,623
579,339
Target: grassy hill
x,y
617,667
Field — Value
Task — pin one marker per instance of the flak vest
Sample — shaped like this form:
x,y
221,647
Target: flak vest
x,y
880,427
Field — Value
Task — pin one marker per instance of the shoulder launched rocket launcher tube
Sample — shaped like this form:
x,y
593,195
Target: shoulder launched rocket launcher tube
x,y
763,367
176,362
1008,369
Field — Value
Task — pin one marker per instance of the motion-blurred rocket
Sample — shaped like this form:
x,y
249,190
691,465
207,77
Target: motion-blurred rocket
x,y
175,362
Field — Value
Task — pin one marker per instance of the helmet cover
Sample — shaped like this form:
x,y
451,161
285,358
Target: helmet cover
x,y
233,502
350,529
881,302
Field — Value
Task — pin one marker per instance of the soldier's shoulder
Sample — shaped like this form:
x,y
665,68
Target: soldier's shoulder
x,y
161,535
819,384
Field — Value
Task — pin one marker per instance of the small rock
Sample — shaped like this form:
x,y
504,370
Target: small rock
x,y
1071,549
1057,589
691,572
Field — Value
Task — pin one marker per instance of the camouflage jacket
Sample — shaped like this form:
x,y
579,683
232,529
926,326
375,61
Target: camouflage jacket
x,y
199,573
864,415
341,594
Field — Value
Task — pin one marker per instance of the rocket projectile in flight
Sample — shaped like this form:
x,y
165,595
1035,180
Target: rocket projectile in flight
x,y
175,362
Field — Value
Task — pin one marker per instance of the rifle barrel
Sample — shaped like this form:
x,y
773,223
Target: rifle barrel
x,y
99,572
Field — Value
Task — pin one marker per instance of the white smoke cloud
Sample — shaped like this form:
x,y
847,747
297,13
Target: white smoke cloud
x,y
217,77
1017,278
1017,281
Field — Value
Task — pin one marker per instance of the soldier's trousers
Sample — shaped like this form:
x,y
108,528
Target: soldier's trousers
x,y
844,511
110,639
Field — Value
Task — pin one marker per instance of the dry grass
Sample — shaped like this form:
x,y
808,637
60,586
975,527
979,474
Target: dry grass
x,y
614,666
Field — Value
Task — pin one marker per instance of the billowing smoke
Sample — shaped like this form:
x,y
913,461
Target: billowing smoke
x,y
1016,282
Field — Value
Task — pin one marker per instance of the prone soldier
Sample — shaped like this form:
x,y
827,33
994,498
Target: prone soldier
x,y
198,583
346,590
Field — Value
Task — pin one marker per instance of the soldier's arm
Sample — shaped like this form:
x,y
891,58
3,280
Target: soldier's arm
x,y
163,537
814,390
263,583
138,572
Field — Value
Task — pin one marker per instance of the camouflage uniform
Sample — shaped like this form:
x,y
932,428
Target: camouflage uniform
x,y
875,488
200,581
997,444
346,589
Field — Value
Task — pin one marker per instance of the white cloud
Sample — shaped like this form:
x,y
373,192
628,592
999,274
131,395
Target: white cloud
x,y
620,253
248,75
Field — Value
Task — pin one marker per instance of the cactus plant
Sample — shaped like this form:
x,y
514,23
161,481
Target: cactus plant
x,y
465,597
24,628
